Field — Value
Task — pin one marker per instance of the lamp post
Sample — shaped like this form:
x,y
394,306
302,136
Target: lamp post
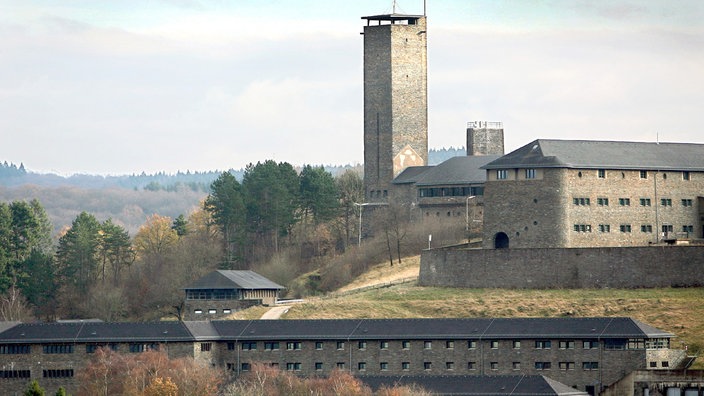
x,y
359,233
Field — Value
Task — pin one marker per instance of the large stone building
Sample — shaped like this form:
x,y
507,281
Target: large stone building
x,y
395,99
576,193
586,353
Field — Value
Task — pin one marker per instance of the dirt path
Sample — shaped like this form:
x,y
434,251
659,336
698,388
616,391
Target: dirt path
x,y
275,312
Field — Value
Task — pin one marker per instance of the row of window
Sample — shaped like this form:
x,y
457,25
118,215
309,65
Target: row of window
x,y
626,228
530,173
69,348
214,294
212,311
62,373
362,345
22,374
603,201
406,366
450,192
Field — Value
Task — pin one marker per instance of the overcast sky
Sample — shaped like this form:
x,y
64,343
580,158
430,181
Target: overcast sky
x,y
121,87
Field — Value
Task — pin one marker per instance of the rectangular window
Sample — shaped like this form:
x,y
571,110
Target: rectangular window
x,y
246,366
383,366
384,345
688,229
543,365
293,346
494,344
362,345
583,228
230,346
501,174
318,366
686,202
405,344
625,227
601,173
272,346
494,365
471,365
362,366
624,201
643,174
604,228
206,346
449,365
427,365
296,366
318,345
135,348
249,346
58,348
566,365
663,364
590,366
543,344
428,344
62,373
581,201
666,228
14,373
590,344
18,349
449,344
530,173
405,366
340,365
665,202
602,201
645,202
340,345
566,344
685,175
646,228
516,365
472,344
516,344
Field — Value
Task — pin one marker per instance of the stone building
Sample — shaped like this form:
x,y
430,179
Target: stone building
x,y
663,382
223,292
395,99
575,193
586,353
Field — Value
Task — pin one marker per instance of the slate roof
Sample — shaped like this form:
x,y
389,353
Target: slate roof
x,y
227,279
96,332
515,385
321,329
544,153
460,170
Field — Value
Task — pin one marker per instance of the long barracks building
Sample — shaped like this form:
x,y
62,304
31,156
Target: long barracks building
x,y
586,353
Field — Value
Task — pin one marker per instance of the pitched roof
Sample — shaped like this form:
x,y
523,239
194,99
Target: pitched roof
x,y
333,329
460,170
96,332
543,153
515,385
228,279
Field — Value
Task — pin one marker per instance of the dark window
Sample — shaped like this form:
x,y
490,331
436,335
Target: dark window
x,y
15,349
543,344
14,373
61,373
494,344
291,346
449,344
272,346
230,346
625,228
405,344
604,228
530,173
471,365
384,345
494,365
686,202
135,347
685,175
362,345
590,365
205,346
516,344
249,346
646,228
516,365
246,366
602,201
590,344
624,201
427,365
318,345
449,365
665,202
566,365
643,174
405,366
472,344
543,365
383,366
601,173
501,174
340,345
362,366
645,202
318,366
58,348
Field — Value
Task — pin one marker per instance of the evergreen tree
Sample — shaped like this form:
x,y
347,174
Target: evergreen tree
x,y
34,389
319,195
77,254
226,207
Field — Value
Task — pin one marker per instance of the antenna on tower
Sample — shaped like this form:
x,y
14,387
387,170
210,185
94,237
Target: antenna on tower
x,y
393,7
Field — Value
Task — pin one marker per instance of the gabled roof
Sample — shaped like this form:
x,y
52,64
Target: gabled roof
x,y
498,385
461,170
96,332
543,153
411,174
228,279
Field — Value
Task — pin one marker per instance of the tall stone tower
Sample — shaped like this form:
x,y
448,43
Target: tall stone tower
x,y
395,99
485,138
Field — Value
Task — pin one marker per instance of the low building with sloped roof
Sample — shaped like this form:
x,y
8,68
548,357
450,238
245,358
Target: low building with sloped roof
x,y
222,292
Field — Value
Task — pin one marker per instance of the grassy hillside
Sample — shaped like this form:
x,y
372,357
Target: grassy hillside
x,y
679,311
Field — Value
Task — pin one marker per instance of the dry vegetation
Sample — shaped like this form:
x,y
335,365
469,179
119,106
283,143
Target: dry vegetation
x,y
679,311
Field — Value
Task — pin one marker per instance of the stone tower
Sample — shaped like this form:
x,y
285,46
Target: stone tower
x,y
485,138
395,99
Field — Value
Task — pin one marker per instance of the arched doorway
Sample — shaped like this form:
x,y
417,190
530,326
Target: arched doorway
x,y
501,241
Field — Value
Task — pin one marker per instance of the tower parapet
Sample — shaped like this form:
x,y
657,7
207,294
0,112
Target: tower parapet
x,y
485,138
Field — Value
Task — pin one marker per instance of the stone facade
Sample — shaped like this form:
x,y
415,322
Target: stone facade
x,y
659,383
485,138
574,268
395,100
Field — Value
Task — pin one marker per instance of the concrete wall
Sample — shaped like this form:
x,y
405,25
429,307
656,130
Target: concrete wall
x,y
632,267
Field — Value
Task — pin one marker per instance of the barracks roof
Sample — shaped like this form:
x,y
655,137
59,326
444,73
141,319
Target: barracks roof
x,y
358,329
543,153
228,279
460,170
466,385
